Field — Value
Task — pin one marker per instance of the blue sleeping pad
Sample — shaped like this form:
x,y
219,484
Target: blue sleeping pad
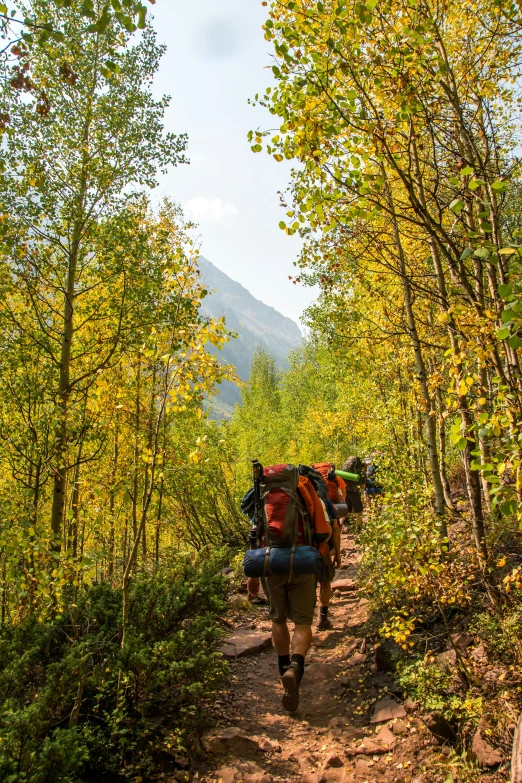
x,y
307,560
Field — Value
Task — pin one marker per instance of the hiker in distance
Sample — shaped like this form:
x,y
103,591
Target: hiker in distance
x,y
373,488
288,539
335,489
354,489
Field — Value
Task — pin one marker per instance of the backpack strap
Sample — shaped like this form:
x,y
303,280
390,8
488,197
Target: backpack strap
x,y
267,571
292,557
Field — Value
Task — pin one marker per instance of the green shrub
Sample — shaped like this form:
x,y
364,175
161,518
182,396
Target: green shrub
x,y
168,668
438,690
501,634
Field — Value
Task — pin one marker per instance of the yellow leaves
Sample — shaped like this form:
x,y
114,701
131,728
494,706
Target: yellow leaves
x,y
502,562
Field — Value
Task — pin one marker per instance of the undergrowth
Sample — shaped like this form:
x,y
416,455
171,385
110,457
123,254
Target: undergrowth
x,y
170,667
425,596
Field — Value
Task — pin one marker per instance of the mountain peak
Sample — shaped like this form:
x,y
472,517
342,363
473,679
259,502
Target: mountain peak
x,y
239,298
258,326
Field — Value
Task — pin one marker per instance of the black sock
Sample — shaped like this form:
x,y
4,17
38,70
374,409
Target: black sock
x,y
324,611
283,662
299,660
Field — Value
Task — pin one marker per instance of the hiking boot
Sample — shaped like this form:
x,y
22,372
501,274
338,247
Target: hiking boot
x,y
324,623
291,679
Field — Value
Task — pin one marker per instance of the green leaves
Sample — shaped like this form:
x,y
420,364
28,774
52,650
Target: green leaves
x,y
129,14
456,206
505,291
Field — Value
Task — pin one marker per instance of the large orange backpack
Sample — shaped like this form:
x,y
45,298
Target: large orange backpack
x,y
283,509
327,471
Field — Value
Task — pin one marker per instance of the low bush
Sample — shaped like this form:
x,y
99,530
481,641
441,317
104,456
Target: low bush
x,y
502,634
439,690
168,668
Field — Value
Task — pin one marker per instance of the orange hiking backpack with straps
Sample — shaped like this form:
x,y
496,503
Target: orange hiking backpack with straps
x,y
292,525
284,514
334,484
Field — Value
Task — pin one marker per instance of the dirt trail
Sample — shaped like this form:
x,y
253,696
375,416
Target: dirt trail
x,y
331,737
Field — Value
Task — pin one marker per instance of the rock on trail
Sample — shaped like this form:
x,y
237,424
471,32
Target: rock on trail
x,y
244,643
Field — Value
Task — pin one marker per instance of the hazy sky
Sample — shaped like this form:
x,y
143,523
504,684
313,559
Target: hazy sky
x,y
216,60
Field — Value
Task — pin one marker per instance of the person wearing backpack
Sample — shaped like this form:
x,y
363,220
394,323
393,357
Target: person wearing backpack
x,y
336,489
353,488
291,522
373,487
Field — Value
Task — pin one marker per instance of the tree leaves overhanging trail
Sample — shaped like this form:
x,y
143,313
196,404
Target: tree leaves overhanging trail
x,y
404,119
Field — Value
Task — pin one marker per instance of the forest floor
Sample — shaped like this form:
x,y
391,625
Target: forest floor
x,y
353,724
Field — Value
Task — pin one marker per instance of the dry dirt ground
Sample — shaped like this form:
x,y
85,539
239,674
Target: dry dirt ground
x,y
350,725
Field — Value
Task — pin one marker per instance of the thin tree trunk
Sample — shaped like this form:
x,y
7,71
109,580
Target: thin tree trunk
x,y
158,521
136,454
75,714
64,392
62,433
75,499
4,591
516,756
112,501
484,445
442,449
431,434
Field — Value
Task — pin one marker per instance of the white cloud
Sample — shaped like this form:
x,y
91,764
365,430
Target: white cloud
x,y
214,209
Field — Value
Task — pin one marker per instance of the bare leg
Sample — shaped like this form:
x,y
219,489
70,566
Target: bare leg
x,y
281,637
325,594
301,640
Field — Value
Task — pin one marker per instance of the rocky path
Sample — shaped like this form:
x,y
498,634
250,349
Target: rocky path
x,y
350,726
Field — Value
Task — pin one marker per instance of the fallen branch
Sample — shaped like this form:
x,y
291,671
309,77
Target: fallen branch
x,y
516,757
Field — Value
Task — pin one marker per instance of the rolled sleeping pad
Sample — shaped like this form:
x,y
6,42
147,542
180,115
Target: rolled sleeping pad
x,y
341,510
347,476
307,560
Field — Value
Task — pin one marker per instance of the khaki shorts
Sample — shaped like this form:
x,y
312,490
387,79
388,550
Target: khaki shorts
x,y
293,601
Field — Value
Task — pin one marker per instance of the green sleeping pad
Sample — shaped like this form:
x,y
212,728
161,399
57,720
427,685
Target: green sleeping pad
x,y
347,476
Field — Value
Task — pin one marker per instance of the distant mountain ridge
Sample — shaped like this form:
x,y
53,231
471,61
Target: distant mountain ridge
x,y
258,326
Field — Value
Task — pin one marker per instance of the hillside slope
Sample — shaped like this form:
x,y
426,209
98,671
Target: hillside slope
x,y
257,325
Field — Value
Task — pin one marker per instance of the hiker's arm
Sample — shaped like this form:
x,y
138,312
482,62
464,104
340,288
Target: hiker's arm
x,y
331,528
336,536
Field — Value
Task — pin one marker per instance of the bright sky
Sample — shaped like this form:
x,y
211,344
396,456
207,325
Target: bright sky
x,y
216,60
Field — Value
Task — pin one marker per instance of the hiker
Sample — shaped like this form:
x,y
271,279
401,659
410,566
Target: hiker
x,y
373,488
292,524
353,489
336,489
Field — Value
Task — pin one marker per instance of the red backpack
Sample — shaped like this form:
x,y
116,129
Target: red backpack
x,y
283,510
327,471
